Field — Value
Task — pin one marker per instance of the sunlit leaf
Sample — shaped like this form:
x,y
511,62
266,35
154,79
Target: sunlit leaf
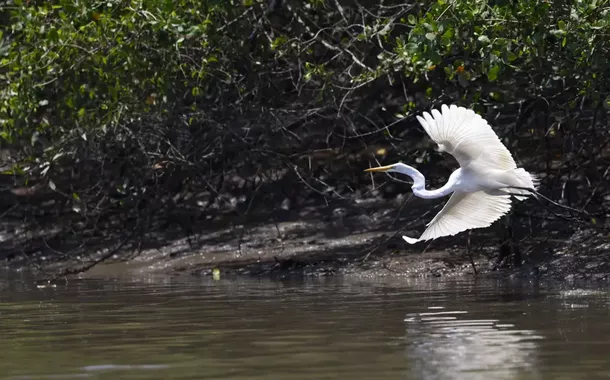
x,y
492,74
484,39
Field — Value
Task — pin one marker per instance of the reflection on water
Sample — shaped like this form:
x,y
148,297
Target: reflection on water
x,y
194,328
443,343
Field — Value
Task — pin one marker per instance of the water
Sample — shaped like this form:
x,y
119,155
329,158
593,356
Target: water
x,y
194,328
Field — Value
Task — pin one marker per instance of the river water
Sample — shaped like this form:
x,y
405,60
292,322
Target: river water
x,y
201,328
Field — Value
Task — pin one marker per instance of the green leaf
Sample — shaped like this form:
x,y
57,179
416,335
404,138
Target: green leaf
x,y
431,36
412,20
484,39
448,72
492,75
449,33
411,47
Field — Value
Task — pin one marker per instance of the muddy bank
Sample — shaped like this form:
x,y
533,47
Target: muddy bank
x,y
354,245
359,238
586,255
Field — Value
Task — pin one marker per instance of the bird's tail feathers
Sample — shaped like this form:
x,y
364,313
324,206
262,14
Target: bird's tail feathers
x,y
523,179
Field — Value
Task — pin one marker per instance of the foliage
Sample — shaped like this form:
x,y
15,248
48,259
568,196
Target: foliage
x,y
87,65
122,110
524,48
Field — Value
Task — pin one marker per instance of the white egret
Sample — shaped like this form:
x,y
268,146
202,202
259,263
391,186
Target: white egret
x,y
483,185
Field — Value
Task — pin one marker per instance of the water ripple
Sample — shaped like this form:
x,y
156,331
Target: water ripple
x,y
453,342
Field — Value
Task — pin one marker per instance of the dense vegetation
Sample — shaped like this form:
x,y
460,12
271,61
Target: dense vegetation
x,y
119,118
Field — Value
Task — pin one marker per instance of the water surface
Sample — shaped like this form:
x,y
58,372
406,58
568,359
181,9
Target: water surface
x,y
199,328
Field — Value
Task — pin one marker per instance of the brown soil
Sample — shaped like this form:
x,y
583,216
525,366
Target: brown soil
x,y
360,241
586,255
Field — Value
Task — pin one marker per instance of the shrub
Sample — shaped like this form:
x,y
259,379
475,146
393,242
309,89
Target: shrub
x,y
122,110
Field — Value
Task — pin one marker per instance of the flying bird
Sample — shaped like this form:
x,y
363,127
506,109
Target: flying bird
x,y
483,185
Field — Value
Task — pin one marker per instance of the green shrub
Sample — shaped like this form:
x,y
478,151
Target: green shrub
x,y
161,96
511,50
73,67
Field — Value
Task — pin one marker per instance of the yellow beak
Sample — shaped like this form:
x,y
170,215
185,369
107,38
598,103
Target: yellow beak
x,y
379,169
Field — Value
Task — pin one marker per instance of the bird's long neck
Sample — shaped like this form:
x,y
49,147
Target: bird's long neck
x,y
419,183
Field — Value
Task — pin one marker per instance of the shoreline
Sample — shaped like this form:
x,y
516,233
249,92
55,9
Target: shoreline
x,y
584,256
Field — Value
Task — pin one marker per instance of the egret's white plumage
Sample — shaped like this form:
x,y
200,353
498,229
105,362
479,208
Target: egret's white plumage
x,y
481,187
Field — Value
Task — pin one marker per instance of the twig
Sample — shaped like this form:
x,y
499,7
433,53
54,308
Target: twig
x,y
9,210
537,194
86,267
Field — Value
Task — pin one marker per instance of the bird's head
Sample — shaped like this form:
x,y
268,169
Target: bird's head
x,y
399,167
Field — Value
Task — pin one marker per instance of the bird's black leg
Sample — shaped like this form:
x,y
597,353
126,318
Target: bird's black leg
x,y
502,255
474,267
514,249
508,248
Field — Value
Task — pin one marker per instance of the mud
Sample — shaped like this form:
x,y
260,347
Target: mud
x,y
586,255
364,241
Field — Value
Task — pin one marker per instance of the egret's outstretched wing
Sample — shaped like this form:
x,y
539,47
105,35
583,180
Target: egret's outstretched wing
x,y
465,211
467,136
